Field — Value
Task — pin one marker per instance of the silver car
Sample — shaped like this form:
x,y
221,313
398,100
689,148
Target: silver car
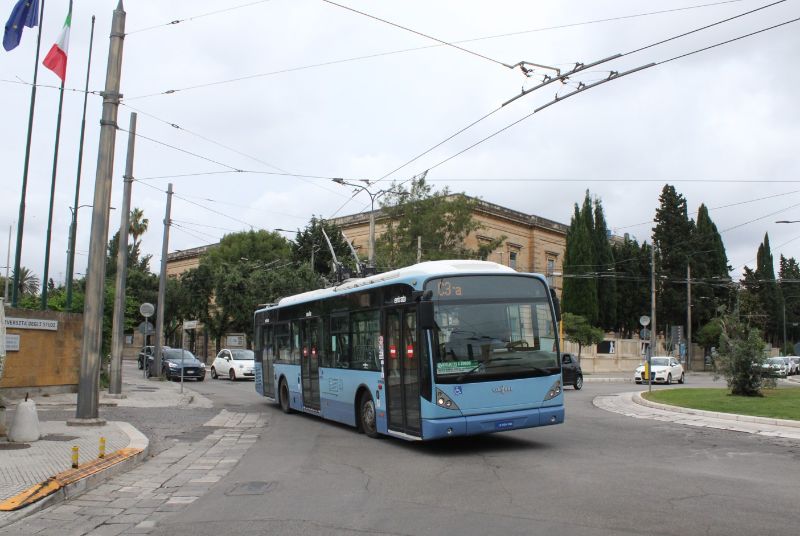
x,y
776,366
794,364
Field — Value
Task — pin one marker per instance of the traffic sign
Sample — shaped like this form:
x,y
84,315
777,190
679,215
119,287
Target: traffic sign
x,y
147,309
190,324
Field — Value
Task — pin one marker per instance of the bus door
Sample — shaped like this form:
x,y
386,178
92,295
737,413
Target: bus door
x,y
309,362
401,370
268,362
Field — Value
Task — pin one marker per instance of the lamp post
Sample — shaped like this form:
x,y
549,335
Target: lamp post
x,y
372,197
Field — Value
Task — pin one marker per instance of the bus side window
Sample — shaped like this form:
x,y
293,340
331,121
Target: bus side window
x,y
296,343
340,341
282,342
326,352
366,332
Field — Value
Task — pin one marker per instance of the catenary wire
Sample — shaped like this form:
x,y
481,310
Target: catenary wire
x,y
415,49
195,17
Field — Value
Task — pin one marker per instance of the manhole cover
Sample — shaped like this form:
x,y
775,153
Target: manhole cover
x,y
58,437
250,488
14,446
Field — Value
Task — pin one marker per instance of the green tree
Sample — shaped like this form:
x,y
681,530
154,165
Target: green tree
x,y
710,271
789,276
632,284
442,219
672,238
605,267
137,226
28,283
311,244
579,292
740,357
769,292
578,330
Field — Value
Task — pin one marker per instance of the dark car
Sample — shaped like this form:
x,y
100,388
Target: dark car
x,y
172,359
146,352
571,371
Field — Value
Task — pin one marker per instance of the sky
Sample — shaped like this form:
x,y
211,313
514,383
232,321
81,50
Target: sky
x,y
294,93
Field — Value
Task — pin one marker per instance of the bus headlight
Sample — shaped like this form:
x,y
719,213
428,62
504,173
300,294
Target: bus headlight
x,y
444,401
554,391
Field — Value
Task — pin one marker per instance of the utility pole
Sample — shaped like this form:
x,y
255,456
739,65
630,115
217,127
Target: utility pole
x,y
653,333
118,327
688,316
88,382
419,249
8,261
162,286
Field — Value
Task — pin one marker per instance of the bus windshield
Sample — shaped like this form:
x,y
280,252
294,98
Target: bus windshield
x,y
492,328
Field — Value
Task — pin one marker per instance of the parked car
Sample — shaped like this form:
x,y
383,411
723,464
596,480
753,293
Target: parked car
x,y
147,353
776,366
172,359
233,364
571,371
794,364
665,369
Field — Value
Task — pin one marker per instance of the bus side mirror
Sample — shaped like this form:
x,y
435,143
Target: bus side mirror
x,y
426,318
556,304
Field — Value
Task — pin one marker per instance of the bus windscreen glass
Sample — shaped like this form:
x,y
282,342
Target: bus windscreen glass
x,y
492,328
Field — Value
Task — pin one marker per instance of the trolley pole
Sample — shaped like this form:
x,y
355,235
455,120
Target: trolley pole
x,y
88,382
162,286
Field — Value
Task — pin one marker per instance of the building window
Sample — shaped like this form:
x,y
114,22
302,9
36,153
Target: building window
x,y
512,259
551,268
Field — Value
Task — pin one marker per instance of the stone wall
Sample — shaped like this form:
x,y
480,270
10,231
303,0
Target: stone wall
x,y
48,360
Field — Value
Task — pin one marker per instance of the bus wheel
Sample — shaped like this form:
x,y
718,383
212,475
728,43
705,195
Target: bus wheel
x,y
367,416
284,397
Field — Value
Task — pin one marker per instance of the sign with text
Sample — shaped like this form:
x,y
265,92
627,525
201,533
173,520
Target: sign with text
x,y
12,343
31,323
190,324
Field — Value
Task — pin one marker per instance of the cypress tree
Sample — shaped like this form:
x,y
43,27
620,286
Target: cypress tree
x,y
709,271
579,294
769,292
672,238
605,269
789,275
632,285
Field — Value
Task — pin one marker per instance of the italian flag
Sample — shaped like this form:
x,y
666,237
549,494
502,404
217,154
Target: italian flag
x,y
56,59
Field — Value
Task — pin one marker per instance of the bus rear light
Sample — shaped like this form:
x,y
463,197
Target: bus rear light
x,y
554,391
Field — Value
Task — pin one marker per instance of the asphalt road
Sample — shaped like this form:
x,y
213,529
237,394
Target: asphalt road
x,y
599,473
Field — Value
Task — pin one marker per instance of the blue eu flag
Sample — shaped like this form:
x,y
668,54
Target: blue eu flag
x,y
25,13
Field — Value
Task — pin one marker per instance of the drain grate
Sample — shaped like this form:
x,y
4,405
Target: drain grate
x,y
58,437
14,446
250,488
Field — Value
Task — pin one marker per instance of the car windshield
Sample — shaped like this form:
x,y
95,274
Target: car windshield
x,y
660,361
177,355
243,355
776,361
492,327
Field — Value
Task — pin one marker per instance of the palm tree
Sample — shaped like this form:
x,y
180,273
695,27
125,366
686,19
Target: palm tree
x,y
138,225
28,282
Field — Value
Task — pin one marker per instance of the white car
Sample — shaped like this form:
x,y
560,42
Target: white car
x,y
794,364
665,369
233,364
776,366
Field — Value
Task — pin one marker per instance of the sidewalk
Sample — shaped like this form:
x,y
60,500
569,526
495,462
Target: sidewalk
x,y
37,474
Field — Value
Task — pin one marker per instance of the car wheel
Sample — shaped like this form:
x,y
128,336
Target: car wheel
x,y
214,373
283,397
682,378
669,379
578,382
139,364
232,375
367,416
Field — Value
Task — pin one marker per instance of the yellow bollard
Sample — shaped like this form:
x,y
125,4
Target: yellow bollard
x,y
102,447
75,456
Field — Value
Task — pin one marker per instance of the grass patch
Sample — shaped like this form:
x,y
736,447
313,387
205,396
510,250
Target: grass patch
x,y
776,403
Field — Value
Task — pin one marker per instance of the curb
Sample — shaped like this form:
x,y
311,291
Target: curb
x,y
137,441
638,399
589,379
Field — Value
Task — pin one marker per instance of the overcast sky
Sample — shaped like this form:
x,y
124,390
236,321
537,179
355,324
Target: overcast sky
x,y
721,125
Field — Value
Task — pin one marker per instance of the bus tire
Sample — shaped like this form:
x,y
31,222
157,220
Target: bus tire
x,y
283,397
367,415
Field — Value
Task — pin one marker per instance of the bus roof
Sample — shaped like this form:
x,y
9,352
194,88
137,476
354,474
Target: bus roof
x,y
424,270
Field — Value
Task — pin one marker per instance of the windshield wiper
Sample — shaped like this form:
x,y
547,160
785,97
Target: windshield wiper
x,y
484,364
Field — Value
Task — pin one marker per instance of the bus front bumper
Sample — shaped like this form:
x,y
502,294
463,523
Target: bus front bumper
x,y
493,422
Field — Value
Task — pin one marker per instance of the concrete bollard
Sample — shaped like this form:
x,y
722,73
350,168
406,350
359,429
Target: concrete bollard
x,y
25,428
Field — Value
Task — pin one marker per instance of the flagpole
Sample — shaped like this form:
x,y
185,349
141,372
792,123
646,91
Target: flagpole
x,y
45,277
21,219
74,226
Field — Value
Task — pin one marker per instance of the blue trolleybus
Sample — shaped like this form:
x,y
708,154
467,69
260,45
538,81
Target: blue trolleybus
x,y
438,349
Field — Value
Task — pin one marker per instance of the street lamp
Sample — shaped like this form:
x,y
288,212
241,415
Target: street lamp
x,y
372,197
